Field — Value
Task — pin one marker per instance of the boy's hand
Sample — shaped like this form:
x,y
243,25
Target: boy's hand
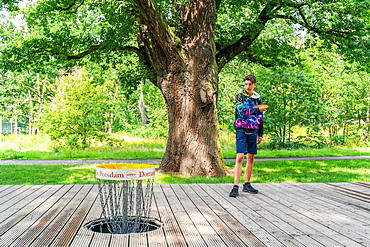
x,y
263,108
259,140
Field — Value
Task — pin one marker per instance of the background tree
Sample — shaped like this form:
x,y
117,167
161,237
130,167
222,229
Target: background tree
x,y
184,45
80,111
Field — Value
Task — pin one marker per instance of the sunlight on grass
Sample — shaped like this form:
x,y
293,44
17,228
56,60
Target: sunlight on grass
x,y
36,147
80,167
264,172
26,147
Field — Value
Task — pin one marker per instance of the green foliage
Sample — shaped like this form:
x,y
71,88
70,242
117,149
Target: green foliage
x,y
156,111
325,94
79,111
344,94
302,87
292,101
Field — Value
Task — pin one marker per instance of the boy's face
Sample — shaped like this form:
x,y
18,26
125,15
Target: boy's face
x,y
249,86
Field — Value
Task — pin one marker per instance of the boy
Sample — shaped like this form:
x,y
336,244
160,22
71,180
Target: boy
x,y
249,132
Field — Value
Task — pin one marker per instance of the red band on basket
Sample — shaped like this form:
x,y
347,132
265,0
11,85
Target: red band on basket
x,y
125,172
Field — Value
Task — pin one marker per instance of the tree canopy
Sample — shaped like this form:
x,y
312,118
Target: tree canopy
x,y
61,31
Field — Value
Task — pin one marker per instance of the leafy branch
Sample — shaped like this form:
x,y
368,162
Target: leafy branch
x,y
229,52
90,50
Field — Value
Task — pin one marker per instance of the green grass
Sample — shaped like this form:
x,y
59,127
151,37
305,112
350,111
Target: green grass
x,y
263,172
33,147
343,151
145,151
116,153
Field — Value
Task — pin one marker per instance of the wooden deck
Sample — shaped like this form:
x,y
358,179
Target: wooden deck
x,y
335,214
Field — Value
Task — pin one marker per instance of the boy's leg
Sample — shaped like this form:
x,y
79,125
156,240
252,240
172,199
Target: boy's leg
x,y
252,150
241,142
237,173
249,167
238,167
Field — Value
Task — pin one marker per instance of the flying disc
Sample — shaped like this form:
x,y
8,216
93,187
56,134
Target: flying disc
x,y
258,106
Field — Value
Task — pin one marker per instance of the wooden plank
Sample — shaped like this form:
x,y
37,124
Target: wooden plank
x,y
223,230
274,213
335,217
13,195
172,232
330,195
119,240
50,222
339,192
206,230
85,237
138,239
5,187
190,233
274,224
353,191
7,192
16,196
23,218
103,239
364,184
316,229
238,209
94,239
157,237
238,230
11,209
280,215
327,211
346,210
74,215
360,187
43,215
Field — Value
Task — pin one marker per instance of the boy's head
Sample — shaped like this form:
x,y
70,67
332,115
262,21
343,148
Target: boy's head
x,y
250,83
251,78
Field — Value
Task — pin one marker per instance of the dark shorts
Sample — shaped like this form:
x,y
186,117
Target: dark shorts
x,y
246,143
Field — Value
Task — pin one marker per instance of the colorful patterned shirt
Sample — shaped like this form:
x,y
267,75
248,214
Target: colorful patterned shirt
x,y
248,119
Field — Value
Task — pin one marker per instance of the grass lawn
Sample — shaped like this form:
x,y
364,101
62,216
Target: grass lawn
x,y
31,147
264,172
145,152
38,147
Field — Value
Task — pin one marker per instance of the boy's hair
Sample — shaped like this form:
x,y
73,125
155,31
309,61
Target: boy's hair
x,y
251,78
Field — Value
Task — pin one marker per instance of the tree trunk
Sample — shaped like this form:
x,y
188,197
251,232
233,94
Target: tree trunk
x,y
186,70
367,124
190,91
144,117
193,147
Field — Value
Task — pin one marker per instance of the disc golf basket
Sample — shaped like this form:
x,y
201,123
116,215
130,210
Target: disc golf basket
x,y
125,192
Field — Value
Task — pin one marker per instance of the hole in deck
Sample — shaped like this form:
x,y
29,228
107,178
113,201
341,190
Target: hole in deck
x,y
119,226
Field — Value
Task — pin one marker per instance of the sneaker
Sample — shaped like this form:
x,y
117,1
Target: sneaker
x,y
234,192
248,188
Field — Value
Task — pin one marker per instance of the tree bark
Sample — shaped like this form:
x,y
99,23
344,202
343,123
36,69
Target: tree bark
x,y
193,144
144,117
186,71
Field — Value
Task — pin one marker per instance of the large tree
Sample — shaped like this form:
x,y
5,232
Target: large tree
x,y
183,45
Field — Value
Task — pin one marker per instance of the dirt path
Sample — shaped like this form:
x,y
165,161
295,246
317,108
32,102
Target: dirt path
x,y
157,161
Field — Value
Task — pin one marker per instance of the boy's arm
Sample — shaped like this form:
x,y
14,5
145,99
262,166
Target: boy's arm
x,y
260,128
261,120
